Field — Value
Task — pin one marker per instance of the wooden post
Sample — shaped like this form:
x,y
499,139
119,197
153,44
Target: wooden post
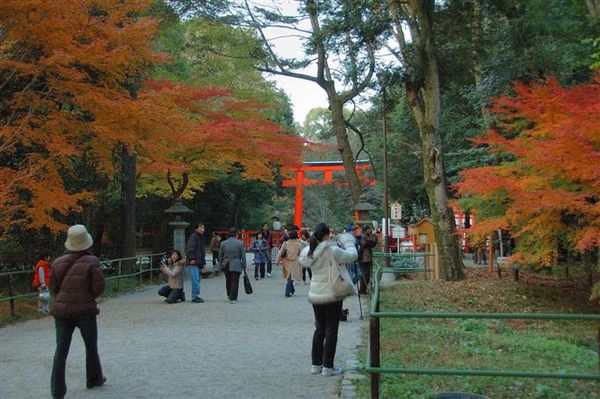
x,y
298,203
119,278
10,293
491,254
375,358
436,262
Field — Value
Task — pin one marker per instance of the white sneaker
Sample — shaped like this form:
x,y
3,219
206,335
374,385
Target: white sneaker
x,y
268,274
328,372
315,369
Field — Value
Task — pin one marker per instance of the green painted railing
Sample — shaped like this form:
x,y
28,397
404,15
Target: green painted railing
x,y
374,367
144,263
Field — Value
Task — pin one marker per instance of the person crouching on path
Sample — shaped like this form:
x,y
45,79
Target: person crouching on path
x,y
196,258
232,256
288,258
326,305
76,280
260,249
173,291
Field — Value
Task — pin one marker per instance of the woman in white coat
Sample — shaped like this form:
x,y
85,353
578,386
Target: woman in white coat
x,y
326,305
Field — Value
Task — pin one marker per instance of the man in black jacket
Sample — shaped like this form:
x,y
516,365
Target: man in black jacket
x,y
196,260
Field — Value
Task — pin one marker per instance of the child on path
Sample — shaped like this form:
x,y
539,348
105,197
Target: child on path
x,y
41,279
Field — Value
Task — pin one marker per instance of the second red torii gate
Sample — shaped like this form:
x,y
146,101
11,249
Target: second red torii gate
x,y
325,167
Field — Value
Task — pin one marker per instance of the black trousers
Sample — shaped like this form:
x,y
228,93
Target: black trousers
x,y
215,257
172,294
304,271
327,320
259,267
364,281
64,332
232,283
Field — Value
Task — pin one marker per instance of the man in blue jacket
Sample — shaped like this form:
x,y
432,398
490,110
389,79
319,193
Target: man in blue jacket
x,y
196,260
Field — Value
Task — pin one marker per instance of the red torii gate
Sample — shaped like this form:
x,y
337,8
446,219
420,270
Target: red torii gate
x,y
327,168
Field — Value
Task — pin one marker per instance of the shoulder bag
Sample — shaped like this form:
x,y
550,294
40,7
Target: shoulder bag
x,y
247,285
339,280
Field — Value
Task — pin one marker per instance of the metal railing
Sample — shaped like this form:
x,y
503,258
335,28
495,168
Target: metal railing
x,y
373,362
112,268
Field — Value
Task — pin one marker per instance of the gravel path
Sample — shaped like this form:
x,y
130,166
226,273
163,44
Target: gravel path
x,y
257,348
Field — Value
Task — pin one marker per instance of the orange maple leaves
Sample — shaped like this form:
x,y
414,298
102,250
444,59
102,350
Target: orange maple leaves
x,y
548,191
72,84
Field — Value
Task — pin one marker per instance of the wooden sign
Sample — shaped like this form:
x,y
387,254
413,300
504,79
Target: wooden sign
x,y
396,211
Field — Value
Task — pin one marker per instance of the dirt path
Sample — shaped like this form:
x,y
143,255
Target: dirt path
x,y
257,348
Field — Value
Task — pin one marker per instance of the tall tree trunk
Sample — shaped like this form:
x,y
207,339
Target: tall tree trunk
x,y
475,57
423,93
593,7
339,127
128,186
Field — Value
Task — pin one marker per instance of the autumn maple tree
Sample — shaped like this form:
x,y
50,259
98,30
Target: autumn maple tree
x,y
208,134
546,189
66,73
73,85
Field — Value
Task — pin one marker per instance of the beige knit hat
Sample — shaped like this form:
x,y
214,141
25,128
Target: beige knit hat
x,y
78,238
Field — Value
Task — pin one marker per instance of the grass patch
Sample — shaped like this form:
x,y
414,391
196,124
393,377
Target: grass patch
x,y
560,346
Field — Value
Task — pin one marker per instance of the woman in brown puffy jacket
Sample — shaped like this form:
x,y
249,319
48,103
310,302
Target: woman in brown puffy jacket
x,y
76,281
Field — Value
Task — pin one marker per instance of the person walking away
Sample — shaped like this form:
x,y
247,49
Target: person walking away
x,y
305,235
260,249
76,280
368,241
326,305
173,291
215,243
232,256
268,237
196,259
41,279
288,258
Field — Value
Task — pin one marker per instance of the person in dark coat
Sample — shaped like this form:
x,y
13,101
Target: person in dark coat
x,y
368,241
196,259
76,280
260,249
232,257
268,237
215,244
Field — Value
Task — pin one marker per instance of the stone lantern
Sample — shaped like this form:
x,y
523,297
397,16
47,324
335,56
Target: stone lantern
x,y
362,211
179,225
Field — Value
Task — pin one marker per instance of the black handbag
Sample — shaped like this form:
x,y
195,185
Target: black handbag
x,y
247,285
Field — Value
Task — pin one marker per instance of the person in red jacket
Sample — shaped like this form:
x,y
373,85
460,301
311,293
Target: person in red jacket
x,y
41,274
41,280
